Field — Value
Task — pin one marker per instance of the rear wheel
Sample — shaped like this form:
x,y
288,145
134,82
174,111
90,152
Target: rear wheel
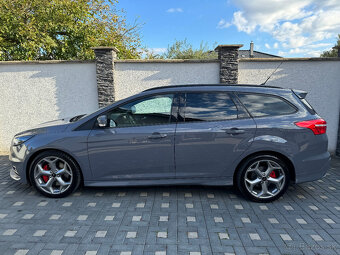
x,y
54,174
263,178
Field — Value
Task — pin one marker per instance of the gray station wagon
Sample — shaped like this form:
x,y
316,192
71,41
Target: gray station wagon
x,y
257,138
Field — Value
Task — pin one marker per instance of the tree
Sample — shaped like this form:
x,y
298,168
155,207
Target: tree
x,y
64,29
184,50
331,52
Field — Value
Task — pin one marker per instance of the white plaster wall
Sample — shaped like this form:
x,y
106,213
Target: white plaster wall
x,y
319,78
132,78
34,93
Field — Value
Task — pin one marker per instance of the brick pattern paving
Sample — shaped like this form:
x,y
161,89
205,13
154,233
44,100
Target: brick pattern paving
x,y
169,220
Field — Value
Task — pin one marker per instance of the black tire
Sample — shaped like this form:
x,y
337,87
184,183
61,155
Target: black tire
x,y
240,182
74,168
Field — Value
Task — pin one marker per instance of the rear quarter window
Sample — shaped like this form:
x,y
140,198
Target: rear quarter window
x,y
260,105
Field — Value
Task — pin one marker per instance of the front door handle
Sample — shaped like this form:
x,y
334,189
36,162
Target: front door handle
x,y
157,135
233,131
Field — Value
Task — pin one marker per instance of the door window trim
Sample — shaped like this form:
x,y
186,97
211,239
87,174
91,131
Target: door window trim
x,y
172,118
182,99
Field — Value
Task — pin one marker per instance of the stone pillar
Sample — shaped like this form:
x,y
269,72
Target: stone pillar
x,y
105,57
228,56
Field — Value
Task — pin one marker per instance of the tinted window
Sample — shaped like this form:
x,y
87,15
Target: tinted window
x,y
153,110
265,105
208,107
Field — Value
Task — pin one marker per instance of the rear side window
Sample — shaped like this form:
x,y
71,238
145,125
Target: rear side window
x,y
265,105
208,106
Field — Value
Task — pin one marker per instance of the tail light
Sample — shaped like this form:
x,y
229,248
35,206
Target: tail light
x,y
318,126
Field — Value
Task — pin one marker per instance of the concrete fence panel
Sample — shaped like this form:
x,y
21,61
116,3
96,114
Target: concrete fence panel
x,y
32,93
35,92
319,78
133,77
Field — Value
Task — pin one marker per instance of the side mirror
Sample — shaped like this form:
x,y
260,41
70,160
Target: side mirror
x,y
102,121
133,109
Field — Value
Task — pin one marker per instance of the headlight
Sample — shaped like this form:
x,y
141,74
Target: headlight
x,y
21,139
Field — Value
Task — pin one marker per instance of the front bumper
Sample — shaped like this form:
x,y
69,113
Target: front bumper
x,y
17,158
14,174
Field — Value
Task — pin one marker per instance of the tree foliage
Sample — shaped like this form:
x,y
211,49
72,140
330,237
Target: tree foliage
x,y
184,50
63,29
331,52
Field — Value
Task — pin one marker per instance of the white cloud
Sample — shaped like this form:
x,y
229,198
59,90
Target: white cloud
x,y
157,50
295,24
306,52
320,45
223,24
310,50
242,24
267,45
171,10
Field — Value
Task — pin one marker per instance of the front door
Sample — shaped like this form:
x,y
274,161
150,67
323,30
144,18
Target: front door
x,y
138,142
213,131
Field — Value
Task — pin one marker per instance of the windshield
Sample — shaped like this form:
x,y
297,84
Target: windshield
x,y
81,116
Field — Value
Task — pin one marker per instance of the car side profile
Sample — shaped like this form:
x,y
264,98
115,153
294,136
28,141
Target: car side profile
x,y
257,138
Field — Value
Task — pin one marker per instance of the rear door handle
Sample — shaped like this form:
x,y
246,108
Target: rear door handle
x,y
233,131
157,135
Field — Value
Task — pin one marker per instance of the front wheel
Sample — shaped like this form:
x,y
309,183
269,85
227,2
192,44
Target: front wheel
x,y
263,178
54,174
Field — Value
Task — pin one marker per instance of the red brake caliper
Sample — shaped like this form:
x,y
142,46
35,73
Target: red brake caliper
x,y
45,177
272,174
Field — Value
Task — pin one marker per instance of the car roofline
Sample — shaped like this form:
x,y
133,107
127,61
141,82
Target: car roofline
x,y
211,85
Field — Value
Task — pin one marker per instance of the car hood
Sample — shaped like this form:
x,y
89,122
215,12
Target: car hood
x,y
51,123
54,126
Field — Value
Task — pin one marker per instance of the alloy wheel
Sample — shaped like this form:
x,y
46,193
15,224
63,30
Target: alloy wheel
x,y
53,175
264,179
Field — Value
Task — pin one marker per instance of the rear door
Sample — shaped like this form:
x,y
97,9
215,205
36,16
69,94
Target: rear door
x,y
213,131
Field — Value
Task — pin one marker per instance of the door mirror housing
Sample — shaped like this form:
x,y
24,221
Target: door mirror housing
x,y
102,121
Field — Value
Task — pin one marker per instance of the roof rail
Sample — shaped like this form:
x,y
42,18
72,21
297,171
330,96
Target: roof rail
x,y
207,85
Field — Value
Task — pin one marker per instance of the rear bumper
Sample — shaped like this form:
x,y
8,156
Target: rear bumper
x,y
313,168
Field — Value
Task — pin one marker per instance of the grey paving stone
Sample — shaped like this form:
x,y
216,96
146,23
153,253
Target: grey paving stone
x,y
170,220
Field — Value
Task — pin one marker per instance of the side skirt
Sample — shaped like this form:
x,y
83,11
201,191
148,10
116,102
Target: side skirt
x,y
197,181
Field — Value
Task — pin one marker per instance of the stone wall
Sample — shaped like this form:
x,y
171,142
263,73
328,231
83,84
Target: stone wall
x,y
39,91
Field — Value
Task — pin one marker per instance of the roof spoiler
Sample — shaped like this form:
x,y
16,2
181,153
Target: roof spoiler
x,y
300,93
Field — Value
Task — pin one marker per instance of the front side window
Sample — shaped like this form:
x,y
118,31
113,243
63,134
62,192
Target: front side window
x,y
208,106
265,105
153,110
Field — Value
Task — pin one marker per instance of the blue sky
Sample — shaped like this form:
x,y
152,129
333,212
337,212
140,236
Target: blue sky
x,y
290,28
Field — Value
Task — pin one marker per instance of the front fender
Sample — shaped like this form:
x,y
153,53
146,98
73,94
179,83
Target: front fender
x,y
74,144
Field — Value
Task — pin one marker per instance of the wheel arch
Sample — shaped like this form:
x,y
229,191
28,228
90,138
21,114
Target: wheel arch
x,y
289,163
36,153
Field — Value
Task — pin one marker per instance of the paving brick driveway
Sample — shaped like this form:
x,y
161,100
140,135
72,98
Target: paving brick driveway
x,y
170,220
